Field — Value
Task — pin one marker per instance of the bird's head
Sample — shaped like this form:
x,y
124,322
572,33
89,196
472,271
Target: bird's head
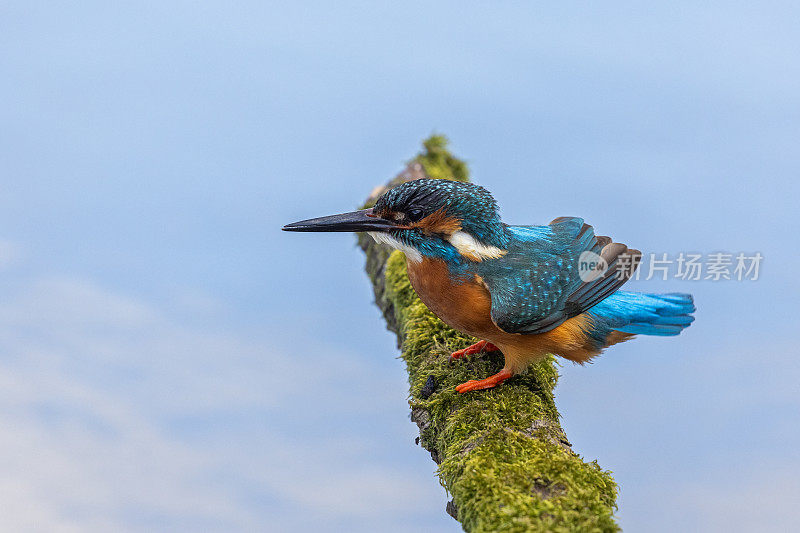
x,y
427,217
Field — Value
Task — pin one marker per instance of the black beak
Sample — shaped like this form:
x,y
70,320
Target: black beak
x,y
362,220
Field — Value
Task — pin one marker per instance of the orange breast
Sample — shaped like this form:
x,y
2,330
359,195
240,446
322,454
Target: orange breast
x,y
463,305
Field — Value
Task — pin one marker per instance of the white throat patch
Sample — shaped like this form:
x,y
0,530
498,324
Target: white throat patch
x,y
412,254
469,247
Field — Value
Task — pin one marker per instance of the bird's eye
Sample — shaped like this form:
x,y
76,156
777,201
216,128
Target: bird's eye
x,y
415,214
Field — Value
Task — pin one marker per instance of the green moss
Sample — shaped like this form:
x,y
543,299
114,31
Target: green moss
x,y
439,163
502,453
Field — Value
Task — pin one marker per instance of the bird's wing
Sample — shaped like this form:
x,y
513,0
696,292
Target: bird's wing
x,y
536,286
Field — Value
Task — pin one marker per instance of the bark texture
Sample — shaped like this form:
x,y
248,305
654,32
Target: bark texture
x,y
501,453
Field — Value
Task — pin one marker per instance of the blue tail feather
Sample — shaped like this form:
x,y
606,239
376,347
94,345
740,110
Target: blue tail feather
x,y
644,314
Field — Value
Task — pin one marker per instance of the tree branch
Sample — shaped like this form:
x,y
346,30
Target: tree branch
x,y
502,454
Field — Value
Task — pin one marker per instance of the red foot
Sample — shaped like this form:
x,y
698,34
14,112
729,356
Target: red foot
x,y
478,347
488,383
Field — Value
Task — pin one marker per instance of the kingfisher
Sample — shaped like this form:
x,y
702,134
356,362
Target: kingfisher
x,y
527,291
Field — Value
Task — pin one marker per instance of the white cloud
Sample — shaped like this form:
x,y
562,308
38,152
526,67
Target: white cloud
x,y
116,417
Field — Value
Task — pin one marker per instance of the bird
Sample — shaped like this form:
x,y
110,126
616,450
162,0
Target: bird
x,y
527,291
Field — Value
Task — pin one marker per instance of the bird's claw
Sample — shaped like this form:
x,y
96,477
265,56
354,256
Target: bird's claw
x,y
478,347
488,383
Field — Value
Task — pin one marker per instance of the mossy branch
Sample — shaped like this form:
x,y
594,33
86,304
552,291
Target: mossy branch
x,y
502,454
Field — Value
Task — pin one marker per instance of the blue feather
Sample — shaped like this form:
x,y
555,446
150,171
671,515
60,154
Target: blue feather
x,y
644,314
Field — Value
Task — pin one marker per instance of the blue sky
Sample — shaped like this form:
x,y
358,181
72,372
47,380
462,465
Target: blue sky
x,y
170,360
